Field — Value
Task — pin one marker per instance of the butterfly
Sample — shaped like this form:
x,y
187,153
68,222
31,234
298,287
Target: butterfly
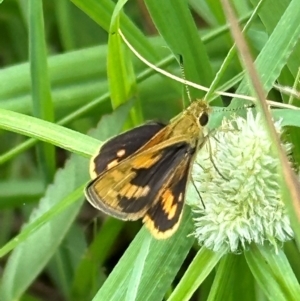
x,y
143,173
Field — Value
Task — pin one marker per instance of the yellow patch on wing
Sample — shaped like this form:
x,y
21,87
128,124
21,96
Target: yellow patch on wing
x,y
169,206
112,164
107,187
133,191
145,160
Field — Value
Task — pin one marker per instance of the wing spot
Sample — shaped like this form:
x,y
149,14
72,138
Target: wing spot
x,y
168,204
121,153
180,197
115,177
131,191
145,161
112,164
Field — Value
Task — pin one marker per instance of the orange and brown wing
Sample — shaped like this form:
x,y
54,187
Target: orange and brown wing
x,y
145,185
122,146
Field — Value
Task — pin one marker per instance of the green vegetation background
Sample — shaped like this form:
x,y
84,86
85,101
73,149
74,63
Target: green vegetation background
x,y
54,88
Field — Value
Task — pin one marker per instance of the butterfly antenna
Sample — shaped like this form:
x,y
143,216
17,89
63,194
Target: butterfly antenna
x,y
243,107
184,78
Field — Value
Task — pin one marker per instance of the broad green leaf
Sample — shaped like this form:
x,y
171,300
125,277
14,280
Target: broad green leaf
x,y
149,264
199,269
273,273
41,94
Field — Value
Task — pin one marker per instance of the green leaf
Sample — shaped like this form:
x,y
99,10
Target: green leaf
x,y
280,44
48,132
273,273
121,76
233,280
141,262
30,256
174,21
198,270
41,94
102,11
109,125
86,278
38,241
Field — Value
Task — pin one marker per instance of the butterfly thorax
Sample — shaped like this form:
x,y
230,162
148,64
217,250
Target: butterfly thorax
x,y
191,122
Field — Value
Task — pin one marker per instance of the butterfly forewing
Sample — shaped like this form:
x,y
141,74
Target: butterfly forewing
x,y
122,146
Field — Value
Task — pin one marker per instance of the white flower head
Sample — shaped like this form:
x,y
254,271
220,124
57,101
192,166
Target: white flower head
x,y
235,176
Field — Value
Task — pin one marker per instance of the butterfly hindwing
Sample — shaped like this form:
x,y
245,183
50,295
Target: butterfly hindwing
x,y
122,146
163,217
130,189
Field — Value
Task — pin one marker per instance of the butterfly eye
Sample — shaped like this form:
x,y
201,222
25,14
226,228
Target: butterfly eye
x,y
203,119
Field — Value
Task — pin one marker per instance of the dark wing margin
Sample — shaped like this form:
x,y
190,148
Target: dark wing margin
x,y
122,146
163,218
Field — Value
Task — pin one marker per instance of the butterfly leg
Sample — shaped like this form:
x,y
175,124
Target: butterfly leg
x,y
199,194
212,161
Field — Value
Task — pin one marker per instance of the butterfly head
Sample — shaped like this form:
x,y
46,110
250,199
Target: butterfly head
x,y
200,111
